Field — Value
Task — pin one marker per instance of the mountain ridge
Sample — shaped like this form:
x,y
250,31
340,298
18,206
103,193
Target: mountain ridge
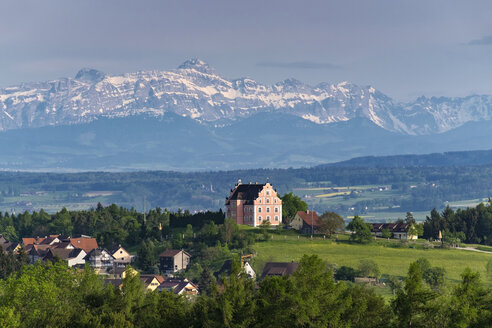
x,y
197,91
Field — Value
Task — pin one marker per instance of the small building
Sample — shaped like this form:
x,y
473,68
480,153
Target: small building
x,y
151,281
179,286
279,269
254,204
100,259
246,267
121,257
173,260
399,230
306,222
73,257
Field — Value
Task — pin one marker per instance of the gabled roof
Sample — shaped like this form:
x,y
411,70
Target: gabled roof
x,y
63,253
247,192
309,217
178,286
115,249
393,227
62,244
97,252
49,240
172,253
87,244
147,278
30,241
279,269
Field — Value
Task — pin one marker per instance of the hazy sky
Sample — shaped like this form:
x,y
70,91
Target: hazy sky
x,y
403,48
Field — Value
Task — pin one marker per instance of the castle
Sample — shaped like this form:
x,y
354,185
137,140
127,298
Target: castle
x,y
254,204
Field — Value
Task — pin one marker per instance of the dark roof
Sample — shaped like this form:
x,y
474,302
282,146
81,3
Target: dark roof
x,y
147,278
279,269
114,282
176,285
96,252
48,240
309,217
62,244
247,192
172,253
393,227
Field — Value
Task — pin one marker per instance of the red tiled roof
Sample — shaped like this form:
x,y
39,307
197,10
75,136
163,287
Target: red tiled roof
x,y
309,217
87,244
30,241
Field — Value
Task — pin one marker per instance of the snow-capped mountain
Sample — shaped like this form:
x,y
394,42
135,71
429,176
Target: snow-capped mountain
x,y
197,91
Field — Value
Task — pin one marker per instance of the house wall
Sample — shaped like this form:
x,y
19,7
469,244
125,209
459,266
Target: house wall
x,y
77,260
297,222
268,207
122,256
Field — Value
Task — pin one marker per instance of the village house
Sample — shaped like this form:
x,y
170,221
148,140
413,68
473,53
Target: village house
x,y
73,256
179,286
151,281
306,222
279,269
100,259
245,266
121,257
173,260
254,204
398,230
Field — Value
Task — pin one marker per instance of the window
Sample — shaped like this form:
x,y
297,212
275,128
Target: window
x,y
268,193
268,217
276,209
251,218
268,209
259,218
275,201
260,200
268,200
276,217
259,209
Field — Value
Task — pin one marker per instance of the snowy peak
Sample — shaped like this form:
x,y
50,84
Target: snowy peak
x,y
197,65
89,75
196,91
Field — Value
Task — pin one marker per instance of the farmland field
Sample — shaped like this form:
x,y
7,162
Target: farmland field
x,y
393,261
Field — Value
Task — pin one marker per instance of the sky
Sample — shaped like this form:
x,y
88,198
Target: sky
x,y
403,48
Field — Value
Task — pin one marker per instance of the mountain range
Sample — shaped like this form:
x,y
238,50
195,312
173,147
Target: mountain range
x,y
192,118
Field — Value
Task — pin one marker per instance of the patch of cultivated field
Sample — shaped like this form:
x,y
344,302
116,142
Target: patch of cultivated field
x,y
393,261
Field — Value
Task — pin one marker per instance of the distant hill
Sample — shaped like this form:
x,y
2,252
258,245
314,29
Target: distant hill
x,y
192,118
457,158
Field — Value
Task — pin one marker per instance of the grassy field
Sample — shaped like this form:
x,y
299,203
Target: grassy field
x,y
393,261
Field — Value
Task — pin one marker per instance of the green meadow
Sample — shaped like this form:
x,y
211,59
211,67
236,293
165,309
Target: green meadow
x,y
391,260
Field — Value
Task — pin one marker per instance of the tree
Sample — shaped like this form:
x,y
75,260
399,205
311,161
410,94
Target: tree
x,y
411,301
291,204
146,257
386,233
361,232
369,268
331,222
345,273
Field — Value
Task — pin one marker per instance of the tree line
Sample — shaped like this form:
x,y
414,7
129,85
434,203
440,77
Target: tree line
x,y
52,295
470,225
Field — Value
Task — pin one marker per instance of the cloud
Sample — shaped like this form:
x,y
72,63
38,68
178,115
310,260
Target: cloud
x,y
484,41
298,65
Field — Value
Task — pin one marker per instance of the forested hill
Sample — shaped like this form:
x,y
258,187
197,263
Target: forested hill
x,y
456,158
